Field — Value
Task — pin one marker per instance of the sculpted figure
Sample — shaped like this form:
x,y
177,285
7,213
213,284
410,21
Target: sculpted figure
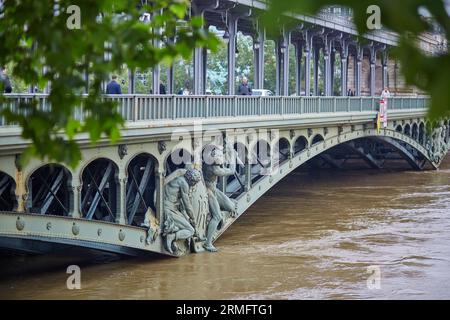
x,y
217,200
179,223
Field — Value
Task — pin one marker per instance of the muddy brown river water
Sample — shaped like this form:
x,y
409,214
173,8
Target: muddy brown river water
x,y
353,234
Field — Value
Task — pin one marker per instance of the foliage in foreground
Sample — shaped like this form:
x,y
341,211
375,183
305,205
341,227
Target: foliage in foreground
x,y
39,40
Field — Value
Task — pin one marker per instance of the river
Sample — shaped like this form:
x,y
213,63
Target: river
x,y
352,234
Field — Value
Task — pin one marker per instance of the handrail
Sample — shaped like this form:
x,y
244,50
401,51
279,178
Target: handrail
x,y
139,107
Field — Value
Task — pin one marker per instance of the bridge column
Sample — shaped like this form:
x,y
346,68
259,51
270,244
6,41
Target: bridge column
x,y
327,84
384,78
307,71
327,53
121,216
159,202
258,58
344,66
282,61
328,40
298,67
248,176
372,74
278,68
316,70
232,31
332,62
198,71
284,50
310,52
358,71
76,189
156,76
170,85
344,72
204,69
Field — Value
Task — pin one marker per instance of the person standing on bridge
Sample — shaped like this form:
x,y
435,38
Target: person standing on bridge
x,y
162,88
244,88
113,87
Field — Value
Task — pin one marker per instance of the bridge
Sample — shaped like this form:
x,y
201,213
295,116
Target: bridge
x,y
117,199
187,167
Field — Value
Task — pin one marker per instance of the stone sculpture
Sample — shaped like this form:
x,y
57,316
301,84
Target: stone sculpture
x,y
217,200
179,218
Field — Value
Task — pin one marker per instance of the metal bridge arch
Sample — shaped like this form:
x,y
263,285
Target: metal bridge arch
x,y
260,159
415,131
283,147
49,190
317,138
407,129
140,191
300,143
100,190
8,199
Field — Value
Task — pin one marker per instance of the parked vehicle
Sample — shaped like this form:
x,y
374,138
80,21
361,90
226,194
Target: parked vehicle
x,y
261,92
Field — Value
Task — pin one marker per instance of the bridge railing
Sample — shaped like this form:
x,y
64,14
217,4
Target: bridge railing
x,y
164,107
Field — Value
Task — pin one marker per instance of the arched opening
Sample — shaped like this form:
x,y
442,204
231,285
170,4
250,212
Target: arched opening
x,y
399,128
283,148
236,183
422,133
178,159
50,191
100,194
260,160
317,138
407,130
8,201
301,143
141,186
415,131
